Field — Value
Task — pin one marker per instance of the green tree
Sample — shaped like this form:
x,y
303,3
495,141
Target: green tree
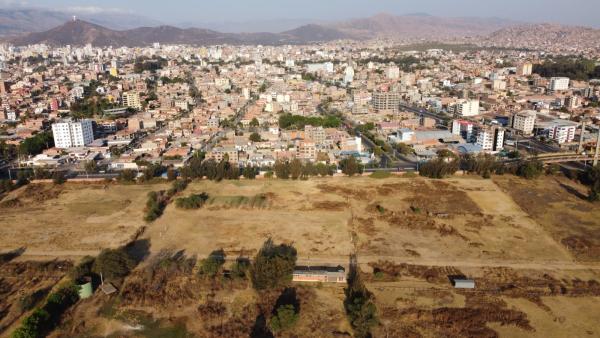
x,y
90,167
359,305
113,264
295,169
285,318
282,169
350,166
254,123
255,137
530,169
593,180
273,266
211,265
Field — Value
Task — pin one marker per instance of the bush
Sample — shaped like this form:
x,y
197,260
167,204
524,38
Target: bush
x,y
240,268
285,318
113,264
59,177
127,175
33,326
273,266
191,202
83,269
530,169
211,266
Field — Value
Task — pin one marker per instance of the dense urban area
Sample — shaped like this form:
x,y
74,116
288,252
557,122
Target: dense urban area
x,y
350,188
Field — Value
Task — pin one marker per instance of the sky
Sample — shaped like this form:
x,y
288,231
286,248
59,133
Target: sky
x,y
578,12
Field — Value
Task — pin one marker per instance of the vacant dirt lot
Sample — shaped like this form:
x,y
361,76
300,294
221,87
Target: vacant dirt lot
x,y
71,220
533,248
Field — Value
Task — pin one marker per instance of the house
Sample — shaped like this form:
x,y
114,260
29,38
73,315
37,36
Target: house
x,y
323,274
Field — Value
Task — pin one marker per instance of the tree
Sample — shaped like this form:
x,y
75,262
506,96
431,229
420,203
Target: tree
x,y
350,166
250,172
113,264
593,180
359,305
255,137
295,169
195,201
171,174
254,123
90,167
127,175
285,318
273,266
530,169
59,177
438,168
282,169
404,149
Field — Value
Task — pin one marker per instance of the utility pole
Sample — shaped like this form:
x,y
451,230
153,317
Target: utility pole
x,y
580,149
597,153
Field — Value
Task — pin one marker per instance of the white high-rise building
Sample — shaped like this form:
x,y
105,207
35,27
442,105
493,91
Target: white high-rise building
x,y
465,108
558,83
524,121
69,134
525,69
491,138
562,131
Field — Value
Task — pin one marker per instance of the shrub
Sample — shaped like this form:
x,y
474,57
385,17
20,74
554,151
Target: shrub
x,y
359,306
211,266
113,264
126,175
191,202
285,318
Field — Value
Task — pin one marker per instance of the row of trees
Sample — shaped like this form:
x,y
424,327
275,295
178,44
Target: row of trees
x,y
289,121
296,169
573,68
158,200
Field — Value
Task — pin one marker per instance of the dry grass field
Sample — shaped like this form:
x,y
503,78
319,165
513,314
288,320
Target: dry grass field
x,y
533,248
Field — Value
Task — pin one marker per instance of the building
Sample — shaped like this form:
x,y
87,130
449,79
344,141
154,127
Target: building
x,y
525,69
322,274
383,100
572,102
490,138
392,72
562,132
132,100
463,283
465,108
558,83
524,121
463,128
69,134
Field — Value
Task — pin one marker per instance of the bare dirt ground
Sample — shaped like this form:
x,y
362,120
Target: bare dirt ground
x,y
532,247
72,220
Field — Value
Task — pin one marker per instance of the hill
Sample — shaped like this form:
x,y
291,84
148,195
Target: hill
x,y
421,26
14,21
536,35
79,32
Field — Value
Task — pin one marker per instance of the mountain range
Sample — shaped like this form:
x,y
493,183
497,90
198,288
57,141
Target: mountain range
x,y
413,27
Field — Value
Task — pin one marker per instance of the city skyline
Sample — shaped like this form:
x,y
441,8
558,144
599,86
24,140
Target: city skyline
x,y
187,12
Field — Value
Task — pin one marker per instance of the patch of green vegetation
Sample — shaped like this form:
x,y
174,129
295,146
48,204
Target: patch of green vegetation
x,y
380,174
259,201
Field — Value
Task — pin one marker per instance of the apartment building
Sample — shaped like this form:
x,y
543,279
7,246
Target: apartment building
x,y
69,134
525,69
465,108
132,100
383,100
558,83
490,138
562,132
524,121
463,129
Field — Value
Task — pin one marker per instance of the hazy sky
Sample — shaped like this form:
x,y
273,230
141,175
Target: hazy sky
x,y
583,12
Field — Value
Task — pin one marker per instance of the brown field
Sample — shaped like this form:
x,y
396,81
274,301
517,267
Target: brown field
x,y
533,248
